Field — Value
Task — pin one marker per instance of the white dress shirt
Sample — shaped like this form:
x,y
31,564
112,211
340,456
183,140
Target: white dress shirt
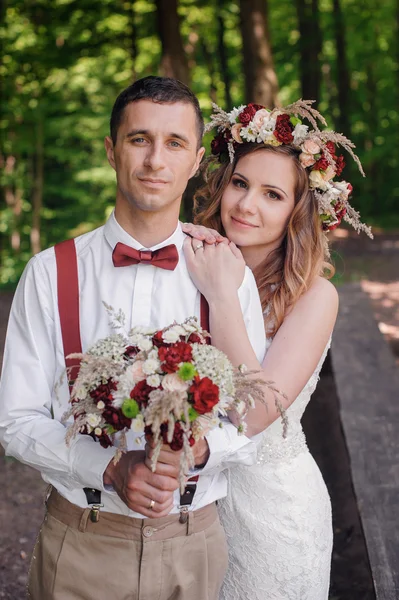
x,y
32,402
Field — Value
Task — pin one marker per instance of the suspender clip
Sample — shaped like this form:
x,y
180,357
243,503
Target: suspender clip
x,y
95,512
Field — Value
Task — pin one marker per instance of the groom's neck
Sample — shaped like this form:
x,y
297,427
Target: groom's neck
x,y
147,227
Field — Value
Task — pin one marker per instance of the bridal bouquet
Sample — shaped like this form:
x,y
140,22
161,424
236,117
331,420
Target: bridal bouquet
x,y
168,384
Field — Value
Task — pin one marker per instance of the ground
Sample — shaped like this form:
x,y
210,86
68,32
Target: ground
x,y
376,265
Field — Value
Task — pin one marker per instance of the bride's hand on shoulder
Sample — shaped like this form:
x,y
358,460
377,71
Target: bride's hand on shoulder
x,y
217,270
206,234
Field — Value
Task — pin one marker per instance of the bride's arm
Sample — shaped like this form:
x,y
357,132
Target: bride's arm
x,y
298,345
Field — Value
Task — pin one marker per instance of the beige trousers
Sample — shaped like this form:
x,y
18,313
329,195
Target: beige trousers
x,y
122,558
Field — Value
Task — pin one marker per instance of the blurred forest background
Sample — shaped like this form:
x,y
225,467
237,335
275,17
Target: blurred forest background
x,y
64,62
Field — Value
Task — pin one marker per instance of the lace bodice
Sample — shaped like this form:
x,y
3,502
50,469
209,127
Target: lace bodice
x,y
271,444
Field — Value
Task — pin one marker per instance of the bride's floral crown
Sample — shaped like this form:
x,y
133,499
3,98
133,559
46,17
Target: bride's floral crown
x,y
255,123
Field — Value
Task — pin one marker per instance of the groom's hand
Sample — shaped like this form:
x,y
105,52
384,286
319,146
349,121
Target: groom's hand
x,y
138,486
168,462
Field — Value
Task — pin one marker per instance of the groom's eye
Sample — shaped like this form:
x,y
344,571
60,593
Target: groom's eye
x,y
175,144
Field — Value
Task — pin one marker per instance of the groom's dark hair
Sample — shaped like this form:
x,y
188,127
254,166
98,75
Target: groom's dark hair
x,y
164,90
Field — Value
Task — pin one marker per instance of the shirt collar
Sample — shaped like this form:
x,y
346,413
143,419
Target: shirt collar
x,y
114,233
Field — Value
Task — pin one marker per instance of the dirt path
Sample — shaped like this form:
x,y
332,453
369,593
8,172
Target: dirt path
x,y
376,265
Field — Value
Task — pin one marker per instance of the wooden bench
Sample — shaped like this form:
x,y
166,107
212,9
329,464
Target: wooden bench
x,y
367,382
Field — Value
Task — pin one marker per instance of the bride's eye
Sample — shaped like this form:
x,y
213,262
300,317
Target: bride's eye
x,y
239,183
273,195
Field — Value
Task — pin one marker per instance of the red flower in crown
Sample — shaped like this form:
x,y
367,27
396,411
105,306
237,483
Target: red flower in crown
x,y
248,113
205,394
339,165
284,129
219,144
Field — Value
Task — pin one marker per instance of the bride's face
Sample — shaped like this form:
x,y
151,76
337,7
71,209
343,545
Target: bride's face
x,y
258,201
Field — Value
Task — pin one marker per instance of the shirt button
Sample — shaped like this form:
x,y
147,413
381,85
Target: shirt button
x,y
148,531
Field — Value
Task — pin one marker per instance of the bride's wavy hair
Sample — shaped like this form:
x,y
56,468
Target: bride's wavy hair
x,y
303,253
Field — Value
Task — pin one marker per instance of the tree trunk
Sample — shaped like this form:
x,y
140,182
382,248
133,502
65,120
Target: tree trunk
x,y
224,67
261,84
13,198
133,39
310,46
211,68
343,123
174,61
37,198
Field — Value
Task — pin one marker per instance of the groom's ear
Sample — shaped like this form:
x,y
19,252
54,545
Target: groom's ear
x,y
109,149
198,159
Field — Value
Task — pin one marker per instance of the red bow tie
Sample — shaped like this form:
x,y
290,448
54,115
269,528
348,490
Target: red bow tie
x,y
164,258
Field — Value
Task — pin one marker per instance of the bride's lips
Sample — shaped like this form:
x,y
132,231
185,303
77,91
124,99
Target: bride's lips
x,y
242,223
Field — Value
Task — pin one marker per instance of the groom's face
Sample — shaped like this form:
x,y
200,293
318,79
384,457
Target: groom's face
x,y
155,154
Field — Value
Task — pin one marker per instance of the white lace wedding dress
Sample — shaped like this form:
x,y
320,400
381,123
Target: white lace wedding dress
x,y
277,517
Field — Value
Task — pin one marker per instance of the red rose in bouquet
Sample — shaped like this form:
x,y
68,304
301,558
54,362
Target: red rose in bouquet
x,y
205,394
141,392
115,417
172,356
103,392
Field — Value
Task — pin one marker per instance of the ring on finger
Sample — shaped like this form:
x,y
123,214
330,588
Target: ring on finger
x,y
152,504
197,247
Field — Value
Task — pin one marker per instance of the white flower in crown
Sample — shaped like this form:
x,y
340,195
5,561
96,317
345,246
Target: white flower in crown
x,y
262,119
232,115
316,181
299,133
344,188
267,137
151,366
249,134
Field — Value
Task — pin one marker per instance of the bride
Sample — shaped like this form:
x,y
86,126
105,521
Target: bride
x,y
273,194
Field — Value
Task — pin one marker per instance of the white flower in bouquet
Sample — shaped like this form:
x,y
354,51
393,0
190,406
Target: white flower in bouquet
x,y
173,383
151,366
145,344
154,380
93,420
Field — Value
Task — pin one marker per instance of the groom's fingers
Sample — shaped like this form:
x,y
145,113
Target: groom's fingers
x,y
142,504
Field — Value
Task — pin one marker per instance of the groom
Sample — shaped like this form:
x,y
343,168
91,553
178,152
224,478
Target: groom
x,y
135,542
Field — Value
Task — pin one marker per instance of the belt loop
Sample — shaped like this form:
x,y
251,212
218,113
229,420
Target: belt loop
x,y
190,523
83,520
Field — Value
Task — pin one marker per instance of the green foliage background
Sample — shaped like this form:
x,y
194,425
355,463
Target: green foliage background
x,y
64,62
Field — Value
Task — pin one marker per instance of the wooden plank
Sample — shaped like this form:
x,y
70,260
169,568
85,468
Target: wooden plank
x,y
367,381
